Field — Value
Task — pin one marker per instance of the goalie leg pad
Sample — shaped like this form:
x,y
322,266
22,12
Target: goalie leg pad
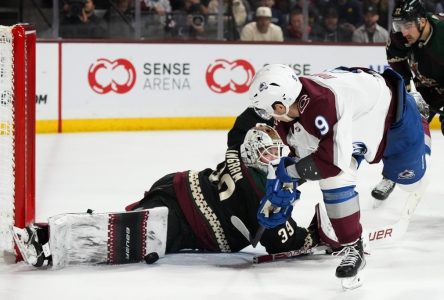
x,y
113,238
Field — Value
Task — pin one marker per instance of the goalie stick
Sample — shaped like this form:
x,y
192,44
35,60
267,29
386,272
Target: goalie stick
x,y
240,226
258,236
258,259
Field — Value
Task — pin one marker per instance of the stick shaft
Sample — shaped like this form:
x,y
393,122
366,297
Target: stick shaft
x,y
258,236
281,255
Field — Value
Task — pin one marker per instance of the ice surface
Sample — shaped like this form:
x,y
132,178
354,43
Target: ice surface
x,y
107,171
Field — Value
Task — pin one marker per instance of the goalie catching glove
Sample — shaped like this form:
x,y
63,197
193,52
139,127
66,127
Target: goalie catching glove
x,y
277,204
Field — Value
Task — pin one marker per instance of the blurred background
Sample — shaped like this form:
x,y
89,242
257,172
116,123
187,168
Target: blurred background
x,y
222,20
106,65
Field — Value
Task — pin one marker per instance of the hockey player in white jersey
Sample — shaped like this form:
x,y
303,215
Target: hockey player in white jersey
x,y
332,121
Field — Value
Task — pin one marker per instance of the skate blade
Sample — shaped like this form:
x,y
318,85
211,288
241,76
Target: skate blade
x,y
351,283
377,203
18,234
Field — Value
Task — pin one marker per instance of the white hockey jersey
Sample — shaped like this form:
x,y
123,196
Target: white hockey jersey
x,y
341,113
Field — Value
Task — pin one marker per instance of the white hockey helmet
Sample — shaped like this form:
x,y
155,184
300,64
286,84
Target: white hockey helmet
x,y
274,83
262,145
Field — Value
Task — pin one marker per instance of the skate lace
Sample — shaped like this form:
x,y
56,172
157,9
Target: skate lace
x,y
385,185
351,256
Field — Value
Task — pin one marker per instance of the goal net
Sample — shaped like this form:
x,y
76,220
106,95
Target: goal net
x,y
17,130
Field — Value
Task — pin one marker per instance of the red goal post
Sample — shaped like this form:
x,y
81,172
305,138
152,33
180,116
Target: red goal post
x,y
17,130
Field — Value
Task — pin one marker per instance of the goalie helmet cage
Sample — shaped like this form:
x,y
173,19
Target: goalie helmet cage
x,y
17,130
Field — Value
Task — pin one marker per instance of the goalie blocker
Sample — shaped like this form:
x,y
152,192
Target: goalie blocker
x,y
95,238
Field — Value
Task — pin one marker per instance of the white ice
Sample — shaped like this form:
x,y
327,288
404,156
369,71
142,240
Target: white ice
x,y
106,171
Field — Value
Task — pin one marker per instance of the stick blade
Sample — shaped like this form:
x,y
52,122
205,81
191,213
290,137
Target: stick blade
x,y
241,227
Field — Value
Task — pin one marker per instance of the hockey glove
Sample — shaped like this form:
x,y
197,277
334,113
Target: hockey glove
x,y
277,204
276,217
423,107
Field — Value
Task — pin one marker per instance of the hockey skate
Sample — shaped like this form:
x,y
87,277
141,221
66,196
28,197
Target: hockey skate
x,y
383,189
27,241
352,263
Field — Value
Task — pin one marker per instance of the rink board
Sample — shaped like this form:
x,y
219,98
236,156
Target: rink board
x,y
145,86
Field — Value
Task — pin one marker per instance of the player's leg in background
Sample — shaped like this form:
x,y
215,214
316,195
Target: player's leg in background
x,y
407,155
407,142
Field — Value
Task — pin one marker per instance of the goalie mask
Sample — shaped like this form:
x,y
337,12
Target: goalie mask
x,y
262,145
274,83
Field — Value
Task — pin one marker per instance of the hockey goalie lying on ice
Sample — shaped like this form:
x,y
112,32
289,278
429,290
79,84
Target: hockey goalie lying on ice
x,y
190,210
183,210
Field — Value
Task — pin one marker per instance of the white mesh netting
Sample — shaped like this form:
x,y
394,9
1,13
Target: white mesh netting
x,y
6,139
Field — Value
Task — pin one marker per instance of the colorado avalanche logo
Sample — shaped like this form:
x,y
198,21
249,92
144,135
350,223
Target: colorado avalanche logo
x,y
262,86
406,174
303,102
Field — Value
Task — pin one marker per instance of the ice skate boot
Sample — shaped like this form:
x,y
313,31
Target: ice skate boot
x,y
383,189
352,263
32,251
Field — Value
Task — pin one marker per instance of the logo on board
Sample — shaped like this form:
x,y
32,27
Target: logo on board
x,y
223,76
118,76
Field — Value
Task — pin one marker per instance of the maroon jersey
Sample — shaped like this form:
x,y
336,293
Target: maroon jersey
x,y
342,113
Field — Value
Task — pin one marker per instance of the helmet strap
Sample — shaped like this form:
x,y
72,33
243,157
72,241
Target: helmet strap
x,y
421,30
